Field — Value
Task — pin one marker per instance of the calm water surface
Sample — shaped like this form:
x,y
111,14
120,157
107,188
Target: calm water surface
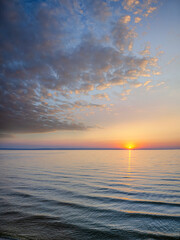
x,y
83,195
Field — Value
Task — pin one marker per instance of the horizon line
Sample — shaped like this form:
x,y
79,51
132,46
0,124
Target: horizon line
x,y
88,148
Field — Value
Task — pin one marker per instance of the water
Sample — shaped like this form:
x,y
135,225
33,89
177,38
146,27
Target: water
x,y
83,195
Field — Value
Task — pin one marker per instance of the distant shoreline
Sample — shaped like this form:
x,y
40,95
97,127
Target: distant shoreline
x,y
65,149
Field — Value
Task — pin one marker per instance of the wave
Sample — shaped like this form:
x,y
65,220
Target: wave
x,y
63,201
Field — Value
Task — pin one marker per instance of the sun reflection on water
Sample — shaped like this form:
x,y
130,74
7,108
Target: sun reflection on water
x,y
129,161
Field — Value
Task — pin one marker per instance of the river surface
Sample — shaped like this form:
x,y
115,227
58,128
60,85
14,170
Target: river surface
x,y
89,194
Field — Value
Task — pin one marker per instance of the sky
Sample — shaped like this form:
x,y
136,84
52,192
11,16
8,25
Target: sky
x,y
90,73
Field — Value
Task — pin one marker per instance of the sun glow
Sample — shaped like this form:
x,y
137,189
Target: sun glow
x,y
130,146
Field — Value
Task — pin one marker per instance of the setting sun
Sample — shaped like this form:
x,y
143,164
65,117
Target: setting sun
x,y
130,146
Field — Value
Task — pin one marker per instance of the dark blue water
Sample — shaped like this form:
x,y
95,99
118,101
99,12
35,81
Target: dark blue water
x,y
83,195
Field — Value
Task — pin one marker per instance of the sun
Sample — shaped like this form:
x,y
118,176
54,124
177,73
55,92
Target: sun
x,y
130,146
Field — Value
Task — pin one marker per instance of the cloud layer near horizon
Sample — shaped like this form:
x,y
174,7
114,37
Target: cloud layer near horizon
x,y
55,52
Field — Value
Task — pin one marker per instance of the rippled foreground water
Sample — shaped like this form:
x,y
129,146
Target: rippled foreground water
x,y
89,194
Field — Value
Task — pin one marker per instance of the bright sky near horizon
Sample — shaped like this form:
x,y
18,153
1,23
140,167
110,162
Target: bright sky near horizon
x,y
86,73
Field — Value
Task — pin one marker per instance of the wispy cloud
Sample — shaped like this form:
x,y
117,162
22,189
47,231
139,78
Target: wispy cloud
x,y
137,19
101,96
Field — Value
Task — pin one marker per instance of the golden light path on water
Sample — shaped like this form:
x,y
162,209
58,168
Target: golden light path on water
x,y
129,161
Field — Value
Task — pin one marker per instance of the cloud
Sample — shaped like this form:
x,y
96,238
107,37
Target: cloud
x,y
125,19
125,93
156,73
146,50
147,82
143,8
53,53
99,9
161,83
137,19
101,96
130,4
150,10
137,85
5,135
123,36
172,60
